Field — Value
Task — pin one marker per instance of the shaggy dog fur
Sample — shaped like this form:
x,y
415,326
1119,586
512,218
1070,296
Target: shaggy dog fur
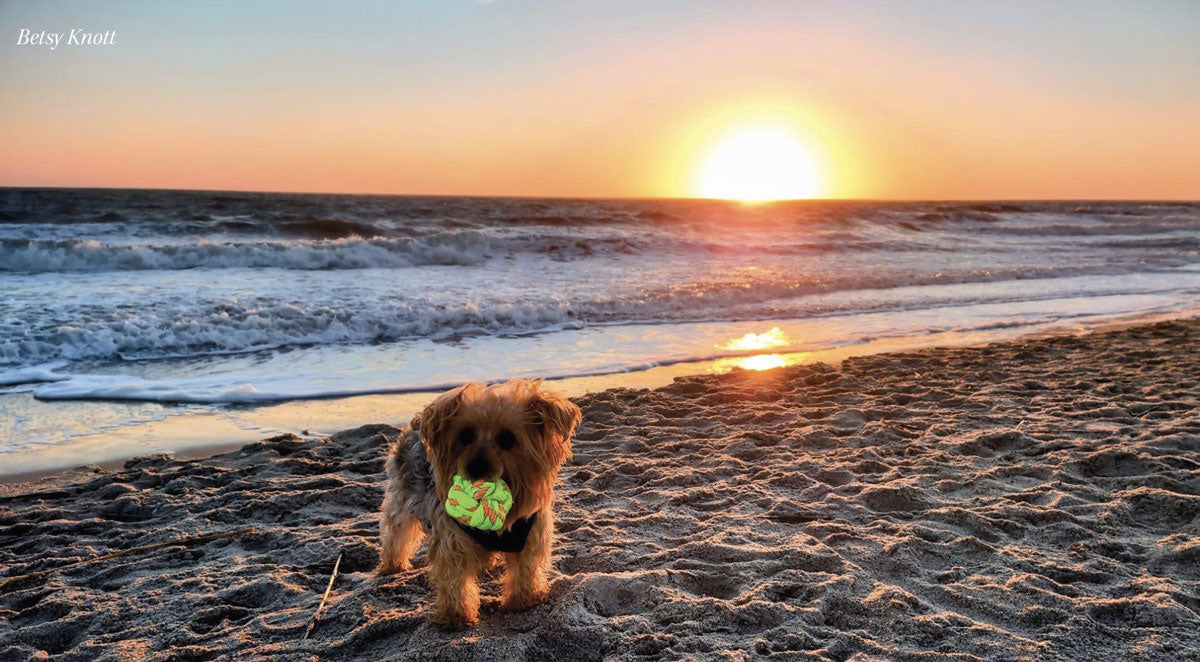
x,y
517,431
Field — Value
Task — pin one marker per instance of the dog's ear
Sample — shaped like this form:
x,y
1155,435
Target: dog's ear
x,y
555,417
434,420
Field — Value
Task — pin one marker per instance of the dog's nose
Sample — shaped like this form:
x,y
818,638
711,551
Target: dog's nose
x,y
478,468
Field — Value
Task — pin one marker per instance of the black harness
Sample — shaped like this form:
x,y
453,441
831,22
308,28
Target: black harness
x,y
511,541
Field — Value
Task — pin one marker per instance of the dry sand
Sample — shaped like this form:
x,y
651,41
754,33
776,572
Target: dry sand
x,y
1028,500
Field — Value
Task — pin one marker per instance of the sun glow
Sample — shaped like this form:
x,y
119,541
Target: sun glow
x,y
759,164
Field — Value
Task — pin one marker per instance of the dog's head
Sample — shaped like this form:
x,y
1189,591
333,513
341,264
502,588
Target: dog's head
x,y
517,431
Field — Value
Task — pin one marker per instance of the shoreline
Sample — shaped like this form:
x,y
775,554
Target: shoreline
x,y
1026,499
396,408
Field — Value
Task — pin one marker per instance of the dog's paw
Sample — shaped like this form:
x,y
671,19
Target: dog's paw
x,y
522,601
453,620
388,568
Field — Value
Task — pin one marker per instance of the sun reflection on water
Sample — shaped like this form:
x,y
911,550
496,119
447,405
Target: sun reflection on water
x,y
773,338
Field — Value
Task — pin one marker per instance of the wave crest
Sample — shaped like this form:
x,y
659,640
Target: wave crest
x,y
40,256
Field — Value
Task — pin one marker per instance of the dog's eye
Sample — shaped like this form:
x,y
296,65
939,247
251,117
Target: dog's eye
x,y
466,436
506,439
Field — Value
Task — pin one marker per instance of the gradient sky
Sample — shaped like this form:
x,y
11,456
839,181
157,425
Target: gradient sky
x,y
913,100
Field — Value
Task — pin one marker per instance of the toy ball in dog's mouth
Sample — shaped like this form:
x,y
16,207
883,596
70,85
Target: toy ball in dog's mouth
x,y
479,504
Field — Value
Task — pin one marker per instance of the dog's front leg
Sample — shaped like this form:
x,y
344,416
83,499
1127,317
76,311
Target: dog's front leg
x,y
525,579
454,571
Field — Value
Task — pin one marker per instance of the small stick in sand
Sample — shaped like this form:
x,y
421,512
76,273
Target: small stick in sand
x,y
1148,410
317,614
184,542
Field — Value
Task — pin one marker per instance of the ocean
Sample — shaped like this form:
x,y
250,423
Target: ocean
x,y
128,315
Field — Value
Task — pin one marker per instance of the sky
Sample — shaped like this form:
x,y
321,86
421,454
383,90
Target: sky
x,y
614,98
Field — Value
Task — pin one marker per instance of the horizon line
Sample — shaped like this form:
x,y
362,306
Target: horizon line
x,y
590,198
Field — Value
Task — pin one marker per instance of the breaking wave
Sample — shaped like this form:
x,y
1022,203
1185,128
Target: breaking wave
x,y
41,256
463,248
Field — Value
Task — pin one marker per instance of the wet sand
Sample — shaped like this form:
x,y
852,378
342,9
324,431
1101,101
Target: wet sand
x,y
1038,499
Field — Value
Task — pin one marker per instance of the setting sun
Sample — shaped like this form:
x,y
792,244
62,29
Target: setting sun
x,y
758,164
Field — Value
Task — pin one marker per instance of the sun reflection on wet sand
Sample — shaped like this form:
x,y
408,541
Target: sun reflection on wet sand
x,y
758,362
761,362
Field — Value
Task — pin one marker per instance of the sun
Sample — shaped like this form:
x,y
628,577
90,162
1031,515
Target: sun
x,y
758,164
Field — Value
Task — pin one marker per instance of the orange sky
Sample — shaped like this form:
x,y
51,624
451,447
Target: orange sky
x,y
521,98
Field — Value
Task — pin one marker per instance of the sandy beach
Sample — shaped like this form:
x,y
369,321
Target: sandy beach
x,y
1031,500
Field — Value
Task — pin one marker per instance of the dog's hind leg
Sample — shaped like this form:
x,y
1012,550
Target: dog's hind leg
x,y
400,535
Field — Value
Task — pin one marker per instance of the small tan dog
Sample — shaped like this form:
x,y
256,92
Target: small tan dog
x,y
517,431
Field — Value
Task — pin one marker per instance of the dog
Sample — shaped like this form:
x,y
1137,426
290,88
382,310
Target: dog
x,y
517,431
